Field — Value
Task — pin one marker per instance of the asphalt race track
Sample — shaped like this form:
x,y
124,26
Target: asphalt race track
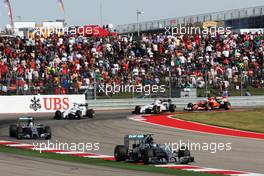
x,y
109,128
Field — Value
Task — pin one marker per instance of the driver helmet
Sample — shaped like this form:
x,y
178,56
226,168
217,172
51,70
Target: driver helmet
x,y
210,99
219,98
30,124
157,101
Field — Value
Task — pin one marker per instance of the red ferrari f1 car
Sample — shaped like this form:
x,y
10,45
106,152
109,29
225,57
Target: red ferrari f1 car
x,y
212,103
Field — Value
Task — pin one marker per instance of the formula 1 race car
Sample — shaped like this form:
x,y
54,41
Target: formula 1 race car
x,y
141,147
212,103
78,111
156,107
27,129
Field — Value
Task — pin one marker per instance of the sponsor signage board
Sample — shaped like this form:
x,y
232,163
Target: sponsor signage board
x,y
38,103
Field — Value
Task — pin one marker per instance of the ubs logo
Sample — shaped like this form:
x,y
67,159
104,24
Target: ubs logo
x,y
35,104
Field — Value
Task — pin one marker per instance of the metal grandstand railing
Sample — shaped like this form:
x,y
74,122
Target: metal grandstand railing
x,y
215,16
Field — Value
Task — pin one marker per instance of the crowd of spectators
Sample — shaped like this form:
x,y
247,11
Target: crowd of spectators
x,y
68,64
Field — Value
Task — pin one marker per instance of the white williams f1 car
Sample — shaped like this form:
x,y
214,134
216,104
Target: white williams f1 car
x,y
156,107
78,111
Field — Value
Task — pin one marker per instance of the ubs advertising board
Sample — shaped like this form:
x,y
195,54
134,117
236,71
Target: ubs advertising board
x,y
38,103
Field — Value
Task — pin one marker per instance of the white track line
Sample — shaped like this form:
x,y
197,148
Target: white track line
x,y
202,169
100,156
3,141
248,174
20,145
209,170
70,152
43,149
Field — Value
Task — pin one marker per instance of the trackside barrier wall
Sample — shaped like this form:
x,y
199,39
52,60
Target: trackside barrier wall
x,y
51,103
38,103
180,102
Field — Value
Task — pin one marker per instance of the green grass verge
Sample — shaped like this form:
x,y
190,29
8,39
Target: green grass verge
x,y
252,120
99,162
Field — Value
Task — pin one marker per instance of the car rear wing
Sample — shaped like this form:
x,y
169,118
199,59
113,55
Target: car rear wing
x,y
135,137
25,118
81,104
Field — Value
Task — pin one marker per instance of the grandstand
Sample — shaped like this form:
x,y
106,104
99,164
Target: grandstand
x,y
252,17
74,63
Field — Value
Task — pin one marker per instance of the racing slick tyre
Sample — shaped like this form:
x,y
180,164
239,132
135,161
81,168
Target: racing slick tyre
x,y
35,136
47,130
120,153
12,130
189,107
207,107
227,105
71,116
156,109
148,154
135,157
90,113
58,115
19,133
137,110
148,111
184,155
172,108
78,114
